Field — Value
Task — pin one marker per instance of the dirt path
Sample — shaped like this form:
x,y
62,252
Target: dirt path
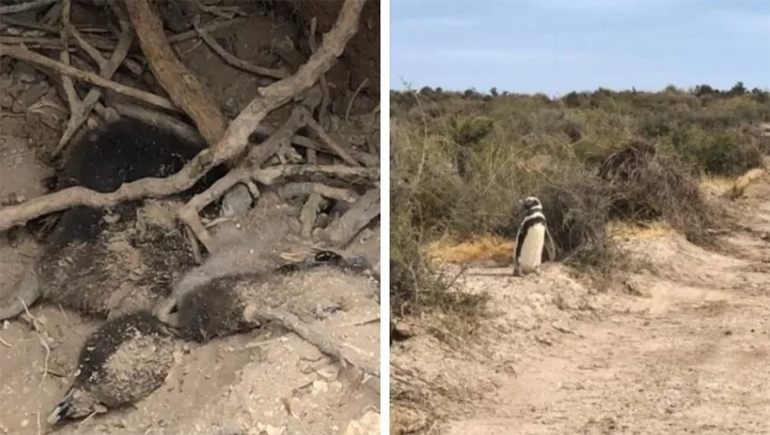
x,y
684,348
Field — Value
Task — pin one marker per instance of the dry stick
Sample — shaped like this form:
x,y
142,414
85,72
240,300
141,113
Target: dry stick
x,y
308,188
67,83
182,86
231,145
324,343
160,120
335,145
23,7
323,110
234,61
370,160
19,52
208,27
341,232
53,43
100,42
353,98
80,111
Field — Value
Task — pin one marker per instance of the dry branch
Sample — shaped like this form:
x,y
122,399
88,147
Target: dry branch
x,y
80,110
367,159
54,43
19,52
340,149
160,120
324,343
308,188
182,85
24,7
231,145
341,232
234,61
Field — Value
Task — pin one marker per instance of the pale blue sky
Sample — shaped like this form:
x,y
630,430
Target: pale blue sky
x,y
556,46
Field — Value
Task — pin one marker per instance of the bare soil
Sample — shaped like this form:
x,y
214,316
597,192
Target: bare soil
x,y
680,347
253,383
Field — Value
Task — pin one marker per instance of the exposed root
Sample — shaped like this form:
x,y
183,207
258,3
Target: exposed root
x,y
80,110
229,147
189,93
324,343
234,61
22,53
341,232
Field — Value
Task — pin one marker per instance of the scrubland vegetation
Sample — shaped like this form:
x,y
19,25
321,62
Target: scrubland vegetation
x,y
461,160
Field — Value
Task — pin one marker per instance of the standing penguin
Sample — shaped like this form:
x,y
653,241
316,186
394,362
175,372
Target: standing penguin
x,y
532,237
121,363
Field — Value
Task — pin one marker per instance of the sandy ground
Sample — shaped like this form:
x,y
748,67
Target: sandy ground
x,y
683,347
244,384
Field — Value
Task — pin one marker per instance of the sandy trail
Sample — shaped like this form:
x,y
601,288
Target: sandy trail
x,y
684,348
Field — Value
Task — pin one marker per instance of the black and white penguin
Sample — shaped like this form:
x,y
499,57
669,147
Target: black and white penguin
x,y
121,363
533,236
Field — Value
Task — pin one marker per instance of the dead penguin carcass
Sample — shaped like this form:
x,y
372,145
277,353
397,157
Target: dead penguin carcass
x,y
96,260
224,305
121,363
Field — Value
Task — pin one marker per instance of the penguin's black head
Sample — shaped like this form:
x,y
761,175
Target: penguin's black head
x,y
531,203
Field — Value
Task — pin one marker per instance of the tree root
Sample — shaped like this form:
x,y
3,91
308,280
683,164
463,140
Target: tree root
x,y
323,342
230,146
182,86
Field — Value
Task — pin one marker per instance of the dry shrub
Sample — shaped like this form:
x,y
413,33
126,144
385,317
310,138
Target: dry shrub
x,y
415,284
646,183
576,205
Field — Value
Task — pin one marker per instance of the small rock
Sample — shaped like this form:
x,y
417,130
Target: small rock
x,y
24,423
24,72
328,373
237,201
320,387
30,96
369,424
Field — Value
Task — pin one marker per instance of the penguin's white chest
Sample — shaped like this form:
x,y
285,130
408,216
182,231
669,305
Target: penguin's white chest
x,y
532,248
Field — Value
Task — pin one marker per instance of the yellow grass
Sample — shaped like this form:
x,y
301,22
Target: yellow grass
x,y
478,248
733,185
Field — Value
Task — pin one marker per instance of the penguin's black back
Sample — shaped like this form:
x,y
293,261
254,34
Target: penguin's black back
x,y
124,151
215,309
106,340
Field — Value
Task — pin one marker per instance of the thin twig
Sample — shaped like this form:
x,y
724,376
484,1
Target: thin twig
x,y
45,364
335,145
234,61
353,99
80,110
19,52
323,109
24,7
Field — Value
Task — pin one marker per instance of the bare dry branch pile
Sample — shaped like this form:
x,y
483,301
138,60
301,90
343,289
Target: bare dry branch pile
x,y
135,36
